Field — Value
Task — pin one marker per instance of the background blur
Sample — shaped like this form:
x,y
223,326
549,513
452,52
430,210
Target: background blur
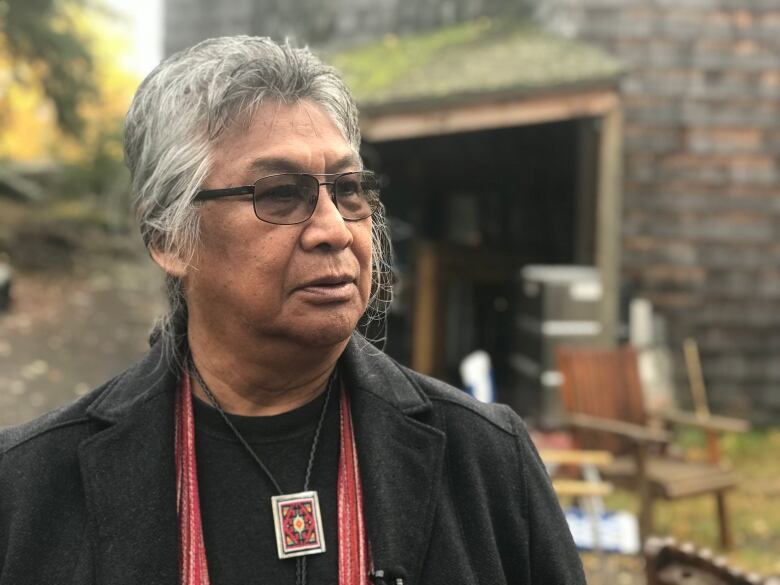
x,y
559,173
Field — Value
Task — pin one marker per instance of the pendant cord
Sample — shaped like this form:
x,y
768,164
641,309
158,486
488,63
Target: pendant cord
x,y
300,565
321,423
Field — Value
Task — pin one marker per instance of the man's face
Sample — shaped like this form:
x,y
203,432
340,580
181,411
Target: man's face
x,y
308,283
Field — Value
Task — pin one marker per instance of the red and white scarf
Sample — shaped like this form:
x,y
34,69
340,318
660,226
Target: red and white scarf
x,y
354,562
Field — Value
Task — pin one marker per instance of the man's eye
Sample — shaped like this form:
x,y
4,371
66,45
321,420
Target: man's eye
x,y
281,193
349,188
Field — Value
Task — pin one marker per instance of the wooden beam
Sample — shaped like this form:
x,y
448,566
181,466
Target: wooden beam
x,y
710,422
581,489
576,457
484,116
609,211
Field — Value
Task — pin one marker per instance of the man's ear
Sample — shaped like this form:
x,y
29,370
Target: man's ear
x,y
170,262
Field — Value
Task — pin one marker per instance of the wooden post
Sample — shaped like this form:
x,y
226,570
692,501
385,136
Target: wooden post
x,y
645,494
585,236
724,524
609,219
699,394
696,377
426,332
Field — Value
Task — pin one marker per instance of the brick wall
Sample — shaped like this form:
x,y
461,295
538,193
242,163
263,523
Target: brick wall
x,y
701,229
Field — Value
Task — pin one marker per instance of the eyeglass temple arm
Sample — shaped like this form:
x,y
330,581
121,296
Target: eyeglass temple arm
x,y
217,193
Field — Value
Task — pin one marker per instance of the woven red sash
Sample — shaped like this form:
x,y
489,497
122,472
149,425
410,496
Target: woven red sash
x,y
354,562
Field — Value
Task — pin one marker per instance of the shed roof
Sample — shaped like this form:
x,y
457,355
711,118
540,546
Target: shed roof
x,y
466,62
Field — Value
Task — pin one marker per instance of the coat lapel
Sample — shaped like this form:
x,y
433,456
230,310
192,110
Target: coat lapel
x,y
129,474
400,459
129,479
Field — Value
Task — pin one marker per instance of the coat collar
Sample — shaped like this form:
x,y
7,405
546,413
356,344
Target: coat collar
x,y
146,380
129,477
399,455
364,366
129,473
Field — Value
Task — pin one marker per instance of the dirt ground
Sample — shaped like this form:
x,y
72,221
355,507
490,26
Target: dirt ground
x,y
67,331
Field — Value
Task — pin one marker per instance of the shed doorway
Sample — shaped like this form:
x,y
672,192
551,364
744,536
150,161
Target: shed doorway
x,y
467,212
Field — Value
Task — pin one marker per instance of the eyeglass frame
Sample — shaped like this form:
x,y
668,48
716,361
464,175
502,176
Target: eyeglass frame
x,y
211,194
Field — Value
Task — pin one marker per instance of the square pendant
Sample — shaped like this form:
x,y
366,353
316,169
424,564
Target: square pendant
x,y
298,524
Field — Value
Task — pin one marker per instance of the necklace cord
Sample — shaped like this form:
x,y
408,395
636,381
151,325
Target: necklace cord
x,y
300,565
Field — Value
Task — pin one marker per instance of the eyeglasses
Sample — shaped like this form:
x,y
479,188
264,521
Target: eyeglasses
x,y
291,198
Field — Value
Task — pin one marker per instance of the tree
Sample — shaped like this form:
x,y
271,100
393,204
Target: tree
x,y
73,116
43,48
78,138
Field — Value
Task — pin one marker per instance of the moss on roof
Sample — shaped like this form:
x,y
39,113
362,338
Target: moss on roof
x,y
478,58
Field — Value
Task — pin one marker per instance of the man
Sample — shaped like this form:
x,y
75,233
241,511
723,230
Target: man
x,y
262,440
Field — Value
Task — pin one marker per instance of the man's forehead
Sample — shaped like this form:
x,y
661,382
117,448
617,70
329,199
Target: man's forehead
x,y
303,118
286,138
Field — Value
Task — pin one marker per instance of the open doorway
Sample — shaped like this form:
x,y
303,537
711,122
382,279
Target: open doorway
x,y
467,212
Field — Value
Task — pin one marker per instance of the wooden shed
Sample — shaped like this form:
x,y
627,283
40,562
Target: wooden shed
x,y
501,147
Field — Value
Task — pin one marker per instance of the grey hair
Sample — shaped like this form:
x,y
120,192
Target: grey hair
x,y
177,116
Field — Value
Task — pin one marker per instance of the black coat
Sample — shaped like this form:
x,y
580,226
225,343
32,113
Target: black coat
x,y
454,491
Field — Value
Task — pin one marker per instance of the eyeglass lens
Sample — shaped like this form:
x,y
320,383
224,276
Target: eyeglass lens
x,y
292,198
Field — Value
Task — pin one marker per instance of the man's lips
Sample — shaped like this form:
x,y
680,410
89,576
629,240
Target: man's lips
x,y
329,289
332,280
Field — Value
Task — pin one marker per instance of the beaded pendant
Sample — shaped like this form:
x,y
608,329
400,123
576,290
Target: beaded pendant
x,y
298,524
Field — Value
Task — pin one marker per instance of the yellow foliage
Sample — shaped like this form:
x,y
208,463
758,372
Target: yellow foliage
x,y
28,128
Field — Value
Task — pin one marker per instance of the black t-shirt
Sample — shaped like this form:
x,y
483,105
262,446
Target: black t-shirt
x,y
235,494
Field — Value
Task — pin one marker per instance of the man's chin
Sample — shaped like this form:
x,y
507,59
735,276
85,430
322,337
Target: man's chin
x,y
323,330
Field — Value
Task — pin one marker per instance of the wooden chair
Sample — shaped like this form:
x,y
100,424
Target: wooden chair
x,y
669,563
602,396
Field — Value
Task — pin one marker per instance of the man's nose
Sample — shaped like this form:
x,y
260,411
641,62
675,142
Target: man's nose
x,y
327,227
330,192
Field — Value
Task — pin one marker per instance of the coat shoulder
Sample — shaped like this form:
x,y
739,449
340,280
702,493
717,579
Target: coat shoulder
x,y
416,394
140,382
64,418
461,405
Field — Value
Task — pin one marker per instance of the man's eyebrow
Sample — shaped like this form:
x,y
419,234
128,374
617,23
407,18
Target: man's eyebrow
x,y
348,161
273,165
